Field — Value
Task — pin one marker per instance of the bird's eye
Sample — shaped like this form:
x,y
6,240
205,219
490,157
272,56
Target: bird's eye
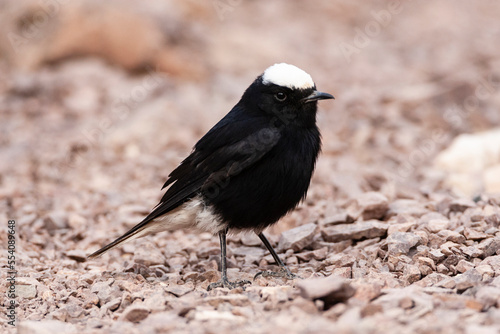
x,y
280,96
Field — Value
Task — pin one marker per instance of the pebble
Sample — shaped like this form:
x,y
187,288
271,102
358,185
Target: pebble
x,y
135,313
462,266
468,279
489,296
402,242
339,218
46,327
148,254
317,254
297,238
356,231
373,205
451,236
77,255
406,207
330,290
437,225
26,291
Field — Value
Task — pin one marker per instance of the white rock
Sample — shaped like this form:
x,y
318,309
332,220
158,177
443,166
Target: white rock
x,y
472,162
491,179
470,153
45,327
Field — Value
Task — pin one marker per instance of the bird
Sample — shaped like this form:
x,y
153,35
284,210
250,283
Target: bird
x,y
249,170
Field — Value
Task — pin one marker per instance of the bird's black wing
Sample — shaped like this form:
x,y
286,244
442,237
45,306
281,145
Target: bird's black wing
x,y
213,163
231,146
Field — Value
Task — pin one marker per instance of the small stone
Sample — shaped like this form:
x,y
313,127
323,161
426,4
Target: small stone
x,y
89,299
471,251
163,322
468,279
411,273
297,238
427,261
403,227
149,255
250,239
436,255
489,296
335,311
486,271
406,207
248,251
463,266
401,243
341,260
56,220
135,313
406,302
60,314
436,225
490,246
176,263
344,272
445,248
26,291
179,290
373,205
496,281
460,205
442,269
46,327
317,254
330,290
105,292
232,299
360,230
113,305
276,294
480,329
74,310
431,279
425,270
371,309
218,316
451,260
452,236
367,291
472,234
77,255
493,261
339,218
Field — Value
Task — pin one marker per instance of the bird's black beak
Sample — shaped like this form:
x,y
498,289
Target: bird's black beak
x,y
315,96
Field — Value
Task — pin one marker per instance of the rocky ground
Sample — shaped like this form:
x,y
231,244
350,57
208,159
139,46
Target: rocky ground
x,y
400,229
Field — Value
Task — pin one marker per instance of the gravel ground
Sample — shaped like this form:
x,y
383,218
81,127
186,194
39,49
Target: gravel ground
x,y
95,114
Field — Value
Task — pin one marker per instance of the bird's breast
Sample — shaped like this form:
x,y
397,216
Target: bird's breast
x,y
261,194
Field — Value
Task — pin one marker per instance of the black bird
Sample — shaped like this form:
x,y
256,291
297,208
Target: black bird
x,y
248,171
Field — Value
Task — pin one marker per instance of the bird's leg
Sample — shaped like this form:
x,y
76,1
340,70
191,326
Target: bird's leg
x,y
224,282
283,272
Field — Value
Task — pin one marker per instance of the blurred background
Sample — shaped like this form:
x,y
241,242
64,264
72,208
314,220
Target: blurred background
x,y
99,101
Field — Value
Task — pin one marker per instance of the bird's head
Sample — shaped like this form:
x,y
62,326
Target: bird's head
x,y
285,91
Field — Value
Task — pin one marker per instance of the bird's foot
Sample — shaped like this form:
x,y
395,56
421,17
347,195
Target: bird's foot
x,y
284,272
225,283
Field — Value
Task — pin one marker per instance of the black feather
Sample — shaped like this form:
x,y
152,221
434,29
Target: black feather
x,y
253,166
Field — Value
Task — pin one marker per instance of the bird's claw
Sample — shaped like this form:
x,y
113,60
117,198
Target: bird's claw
x,y
284,272
228,284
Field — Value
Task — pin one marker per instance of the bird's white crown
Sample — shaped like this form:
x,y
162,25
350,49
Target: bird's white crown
x,y
287,75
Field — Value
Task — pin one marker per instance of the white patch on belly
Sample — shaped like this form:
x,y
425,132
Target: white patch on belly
x,y
193,214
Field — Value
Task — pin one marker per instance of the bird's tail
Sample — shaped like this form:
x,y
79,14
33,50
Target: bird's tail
x,y
134,233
